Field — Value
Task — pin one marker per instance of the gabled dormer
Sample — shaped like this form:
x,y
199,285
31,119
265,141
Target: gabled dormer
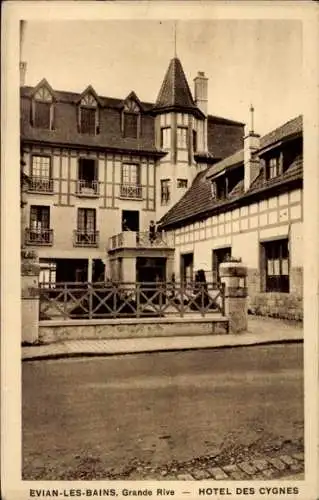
x,y
227,177
88,112
43,106
131,116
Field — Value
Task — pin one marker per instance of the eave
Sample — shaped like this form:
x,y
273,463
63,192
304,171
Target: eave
x,y
95,147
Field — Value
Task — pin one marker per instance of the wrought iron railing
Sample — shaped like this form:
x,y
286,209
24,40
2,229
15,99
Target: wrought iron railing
x,y
145,239
86,238
39,237
40,184
87,187
131,191
133,300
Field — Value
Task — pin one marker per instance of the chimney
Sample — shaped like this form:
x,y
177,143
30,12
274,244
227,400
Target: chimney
x,y
251,163
22,64
201,91
23,70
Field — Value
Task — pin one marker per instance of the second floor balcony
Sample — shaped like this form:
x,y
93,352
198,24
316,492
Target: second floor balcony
x,y
132,239
131,191
39,237
40,185
86,238
88,188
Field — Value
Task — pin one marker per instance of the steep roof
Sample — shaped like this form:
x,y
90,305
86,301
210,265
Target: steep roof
x,y
285,131
197,202
175,92
230,161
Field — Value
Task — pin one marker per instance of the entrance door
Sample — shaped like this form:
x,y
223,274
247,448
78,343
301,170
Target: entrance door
x,y
130,220
187,267
219,255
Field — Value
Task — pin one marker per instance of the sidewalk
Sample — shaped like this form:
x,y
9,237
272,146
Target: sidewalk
x,y
261,330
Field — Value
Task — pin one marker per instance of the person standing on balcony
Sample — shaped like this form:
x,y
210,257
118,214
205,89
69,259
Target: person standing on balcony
x,y
152,232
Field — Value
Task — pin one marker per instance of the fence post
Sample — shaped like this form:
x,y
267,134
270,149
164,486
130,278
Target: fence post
x,y
138,300
90,300
30,302
233,276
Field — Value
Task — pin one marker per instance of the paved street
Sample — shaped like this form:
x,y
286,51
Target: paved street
x,y
162,414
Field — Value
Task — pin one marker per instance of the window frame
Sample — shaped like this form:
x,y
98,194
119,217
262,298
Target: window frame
x,y
180,182
166,145
180,143
86,228
277,253
165,193
92,106
49,101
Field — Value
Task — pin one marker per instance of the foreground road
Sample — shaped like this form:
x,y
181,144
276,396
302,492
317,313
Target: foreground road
x,y
127,416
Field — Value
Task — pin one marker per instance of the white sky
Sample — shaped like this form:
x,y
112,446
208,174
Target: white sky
x,y
258,61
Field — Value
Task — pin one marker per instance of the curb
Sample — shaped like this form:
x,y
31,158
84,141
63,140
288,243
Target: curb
x,y
84,353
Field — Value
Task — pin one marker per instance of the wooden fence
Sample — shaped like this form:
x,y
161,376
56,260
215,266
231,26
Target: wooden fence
x,y
132,300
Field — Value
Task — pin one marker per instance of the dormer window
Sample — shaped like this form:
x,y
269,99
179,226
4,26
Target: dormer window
x,y
42,109
274,167
214,190
131,119
88,115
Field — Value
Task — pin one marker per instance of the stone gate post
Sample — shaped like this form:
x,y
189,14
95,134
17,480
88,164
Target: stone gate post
x,y
30,271
233,275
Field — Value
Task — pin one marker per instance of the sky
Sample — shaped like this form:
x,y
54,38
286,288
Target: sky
x,y
246,61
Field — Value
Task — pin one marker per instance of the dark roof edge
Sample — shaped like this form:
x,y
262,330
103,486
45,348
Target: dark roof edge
x,y
236,202
156,110
220,119
278,142
73,145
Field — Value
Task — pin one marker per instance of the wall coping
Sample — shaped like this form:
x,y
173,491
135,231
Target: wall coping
x,y
213,318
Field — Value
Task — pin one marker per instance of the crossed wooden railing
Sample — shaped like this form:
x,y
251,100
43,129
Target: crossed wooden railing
x,y
133,300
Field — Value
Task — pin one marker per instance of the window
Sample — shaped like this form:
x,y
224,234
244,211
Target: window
x,y
273,167
131,119
43,109
165,138
182,142
47,276
130,125
86,234
39,218
87,176
165,191
39,232
276,266
194,141
41,174
88,115
182,183
86,219
130,186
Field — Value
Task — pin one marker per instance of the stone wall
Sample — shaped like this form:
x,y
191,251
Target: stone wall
x,y
50,331
274,304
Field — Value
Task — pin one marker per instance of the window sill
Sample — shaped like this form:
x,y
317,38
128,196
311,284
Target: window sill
x,y
131,198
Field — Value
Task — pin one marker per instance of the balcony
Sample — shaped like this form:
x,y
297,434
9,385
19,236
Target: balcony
x,y
131,191
87,188
131,239
40,185
39,237
85,238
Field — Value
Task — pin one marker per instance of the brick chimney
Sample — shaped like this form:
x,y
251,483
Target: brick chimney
x,y
201,91
251,162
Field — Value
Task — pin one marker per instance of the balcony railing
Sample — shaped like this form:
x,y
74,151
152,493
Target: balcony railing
x,y
87,188
39,237
131,191
86,238
132,239
40,185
